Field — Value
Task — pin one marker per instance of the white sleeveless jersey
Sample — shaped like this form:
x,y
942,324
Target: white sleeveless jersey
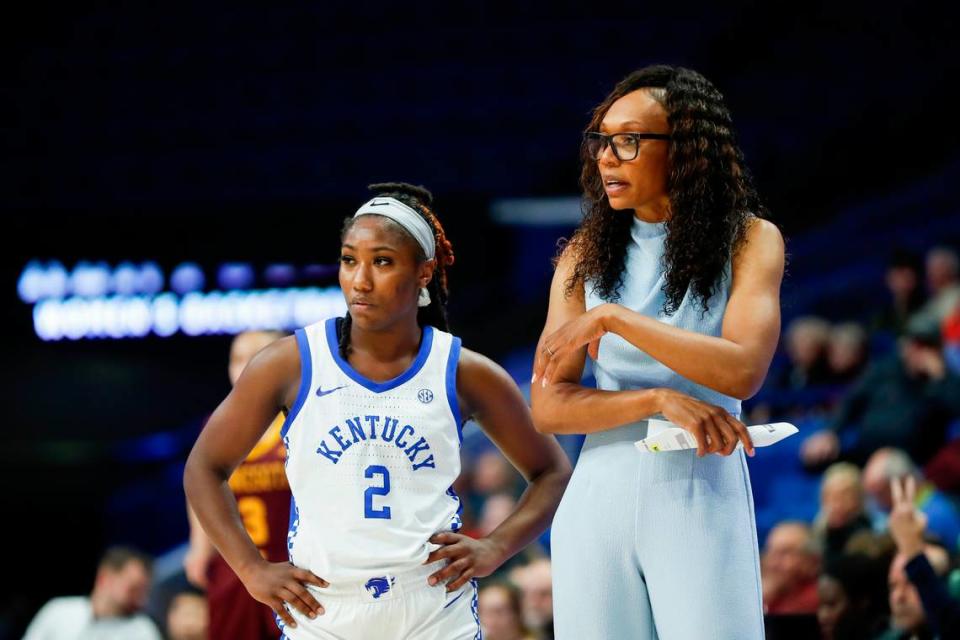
x,y
371,464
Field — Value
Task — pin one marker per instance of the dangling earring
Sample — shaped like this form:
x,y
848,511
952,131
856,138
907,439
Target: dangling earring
x,y
424,298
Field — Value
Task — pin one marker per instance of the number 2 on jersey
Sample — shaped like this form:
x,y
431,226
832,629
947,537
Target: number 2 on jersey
x,y
368,510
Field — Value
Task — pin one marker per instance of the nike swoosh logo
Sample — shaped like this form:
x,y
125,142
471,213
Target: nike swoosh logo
x,y
321,392
454,600
379,204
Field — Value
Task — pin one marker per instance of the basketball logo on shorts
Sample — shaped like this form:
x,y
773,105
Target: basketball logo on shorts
x,y
379,586
425,396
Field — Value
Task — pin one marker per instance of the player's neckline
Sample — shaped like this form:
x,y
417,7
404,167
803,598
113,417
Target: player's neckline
x,y
378,387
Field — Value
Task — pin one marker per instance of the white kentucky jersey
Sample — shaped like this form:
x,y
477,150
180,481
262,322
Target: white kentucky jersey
x,y
371,464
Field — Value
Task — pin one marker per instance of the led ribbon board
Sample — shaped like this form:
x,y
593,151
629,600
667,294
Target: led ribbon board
x,y
97,301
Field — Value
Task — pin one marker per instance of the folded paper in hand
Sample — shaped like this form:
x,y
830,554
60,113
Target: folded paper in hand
x,y
666,436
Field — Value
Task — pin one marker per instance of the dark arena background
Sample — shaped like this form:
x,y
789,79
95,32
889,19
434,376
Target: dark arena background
x,y
173,175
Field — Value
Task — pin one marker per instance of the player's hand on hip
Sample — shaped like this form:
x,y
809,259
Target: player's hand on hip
x,y
276,583
715,430
467,558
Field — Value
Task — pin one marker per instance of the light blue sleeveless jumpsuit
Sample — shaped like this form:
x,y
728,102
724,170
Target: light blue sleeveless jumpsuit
x,y
655,546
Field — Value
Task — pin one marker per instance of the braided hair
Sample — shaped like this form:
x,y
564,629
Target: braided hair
x,y
420,200
712,197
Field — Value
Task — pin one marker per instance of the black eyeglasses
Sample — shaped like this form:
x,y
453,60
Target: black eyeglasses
x,y
625,146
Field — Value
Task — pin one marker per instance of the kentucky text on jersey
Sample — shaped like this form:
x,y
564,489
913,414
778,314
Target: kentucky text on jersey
x,y
383,428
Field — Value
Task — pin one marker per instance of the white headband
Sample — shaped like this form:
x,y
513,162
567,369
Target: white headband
x,y
406,217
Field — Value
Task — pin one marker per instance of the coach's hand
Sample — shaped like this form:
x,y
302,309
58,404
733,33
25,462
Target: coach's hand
x,y
468,558
584,330
715,430
274,583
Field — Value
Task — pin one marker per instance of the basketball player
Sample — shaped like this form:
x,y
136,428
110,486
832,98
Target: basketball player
x,y
260,488
375,405
671,284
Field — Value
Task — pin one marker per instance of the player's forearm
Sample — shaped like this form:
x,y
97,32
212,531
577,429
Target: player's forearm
x,y
215,507
534,511
716,363
567,407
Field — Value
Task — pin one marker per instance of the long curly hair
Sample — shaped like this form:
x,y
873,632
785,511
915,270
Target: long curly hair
x,y
420,200
711,192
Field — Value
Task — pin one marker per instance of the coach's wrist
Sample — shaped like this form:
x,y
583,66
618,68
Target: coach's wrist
x,y
611,317
658,399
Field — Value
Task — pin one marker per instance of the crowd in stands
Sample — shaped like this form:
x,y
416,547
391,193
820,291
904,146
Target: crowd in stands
x,y
879,399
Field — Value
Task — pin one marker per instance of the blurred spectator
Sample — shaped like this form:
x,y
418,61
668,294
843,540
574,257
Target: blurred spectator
x,y
846,352
499,610
806,344
951,341
943,470
187,617
536,583
169,581
842,509
904,401
789,566
493,474
919,602
853,598
943,520
798,386
496,509
113,609
903,279
907,618
943,283
872,544
489,476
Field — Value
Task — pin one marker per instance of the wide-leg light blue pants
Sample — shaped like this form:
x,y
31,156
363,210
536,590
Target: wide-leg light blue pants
x,y
658,546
